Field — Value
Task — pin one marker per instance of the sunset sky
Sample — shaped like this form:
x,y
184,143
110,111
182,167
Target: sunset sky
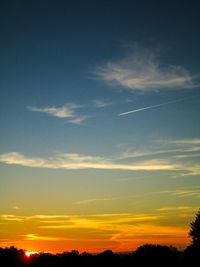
x,y
100,129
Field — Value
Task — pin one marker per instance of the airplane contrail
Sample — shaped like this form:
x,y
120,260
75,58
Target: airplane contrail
x,y
155,106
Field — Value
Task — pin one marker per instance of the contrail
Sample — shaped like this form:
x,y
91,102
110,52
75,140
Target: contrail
x,y
158,105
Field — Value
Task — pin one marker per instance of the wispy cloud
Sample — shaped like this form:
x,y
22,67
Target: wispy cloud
x,y
143,71
183,142
72,221
93,200
187,192
182,148
177,208
182,192
169,155
72,161
191,170
101,103
34,237
11,217
36,217
184,153
67,112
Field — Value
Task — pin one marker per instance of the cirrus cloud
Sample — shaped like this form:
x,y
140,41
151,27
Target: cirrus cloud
x,y
142,71
177,156
73,161
64,112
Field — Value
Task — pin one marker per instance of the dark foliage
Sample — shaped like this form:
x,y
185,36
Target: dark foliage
x,y
156,255
146,255
195,229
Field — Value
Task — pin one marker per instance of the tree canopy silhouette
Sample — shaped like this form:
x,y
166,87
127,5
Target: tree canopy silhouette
x,y
195,229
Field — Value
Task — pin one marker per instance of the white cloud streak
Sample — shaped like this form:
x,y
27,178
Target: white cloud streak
x,y
72,161
183,142
11,217
101,104
183,192
142,71
93,200
34,237
170,155
183,148
65,112
177,208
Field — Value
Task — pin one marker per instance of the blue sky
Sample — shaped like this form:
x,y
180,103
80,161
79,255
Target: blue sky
x,y
68,70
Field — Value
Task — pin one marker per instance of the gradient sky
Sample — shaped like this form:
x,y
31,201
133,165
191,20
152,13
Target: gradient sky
x,y
78,169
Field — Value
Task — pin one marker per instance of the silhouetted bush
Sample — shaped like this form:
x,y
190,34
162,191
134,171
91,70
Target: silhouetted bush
x,y
156,255
12,257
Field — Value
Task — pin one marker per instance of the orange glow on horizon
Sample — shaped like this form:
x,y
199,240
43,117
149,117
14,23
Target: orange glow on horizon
x,y
119,232
29,253
99,246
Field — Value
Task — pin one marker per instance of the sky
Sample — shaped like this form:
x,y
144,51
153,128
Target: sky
x,y
100,130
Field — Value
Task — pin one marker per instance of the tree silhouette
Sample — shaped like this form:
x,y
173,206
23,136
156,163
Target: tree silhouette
x,y
156,255
192,252
195,229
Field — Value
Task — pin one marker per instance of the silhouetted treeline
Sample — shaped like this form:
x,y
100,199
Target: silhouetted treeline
x,y
146,255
